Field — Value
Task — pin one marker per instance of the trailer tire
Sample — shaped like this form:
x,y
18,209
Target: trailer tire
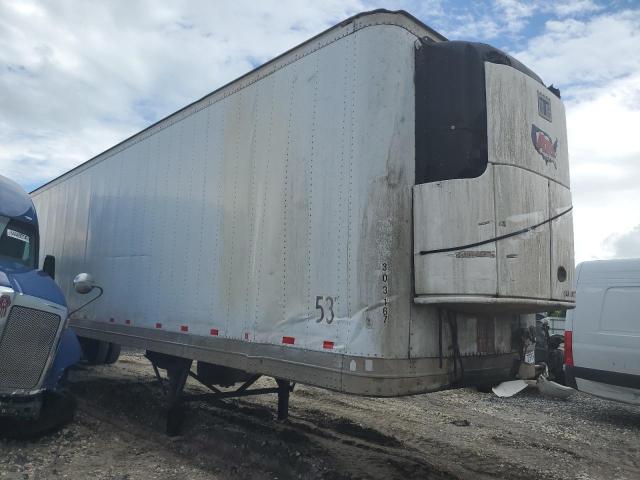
x,y
94,351
58,409
113,354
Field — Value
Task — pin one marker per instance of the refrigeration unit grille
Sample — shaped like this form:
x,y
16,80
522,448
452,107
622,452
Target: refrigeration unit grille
x,y
25,345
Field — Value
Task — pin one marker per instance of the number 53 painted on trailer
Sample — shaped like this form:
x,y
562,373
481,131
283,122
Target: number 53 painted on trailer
x,y
328,301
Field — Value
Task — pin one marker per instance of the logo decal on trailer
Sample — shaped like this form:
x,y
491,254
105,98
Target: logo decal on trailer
x,y
544,145
5,302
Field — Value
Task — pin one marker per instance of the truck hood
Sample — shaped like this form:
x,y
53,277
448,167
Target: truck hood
x,y
15,202
31,282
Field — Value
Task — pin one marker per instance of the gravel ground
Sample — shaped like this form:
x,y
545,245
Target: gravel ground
x,y
118,433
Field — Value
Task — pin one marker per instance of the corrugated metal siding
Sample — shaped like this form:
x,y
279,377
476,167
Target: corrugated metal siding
x,y
236,216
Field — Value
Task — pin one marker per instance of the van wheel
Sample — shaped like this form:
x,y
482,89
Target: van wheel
x,y
94,351
113,355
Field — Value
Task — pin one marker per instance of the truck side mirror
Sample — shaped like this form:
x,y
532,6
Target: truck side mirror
x,y
49,266
83,283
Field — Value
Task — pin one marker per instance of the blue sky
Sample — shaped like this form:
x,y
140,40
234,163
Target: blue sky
x,y
78,77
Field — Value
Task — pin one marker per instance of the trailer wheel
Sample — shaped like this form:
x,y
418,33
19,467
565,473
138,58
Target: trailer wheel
x,y
113,354
94,351
58,409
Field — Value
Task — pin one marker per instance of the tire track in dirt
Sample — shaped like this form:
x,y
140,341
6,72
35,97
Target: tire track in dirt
x,y
245,440
456,434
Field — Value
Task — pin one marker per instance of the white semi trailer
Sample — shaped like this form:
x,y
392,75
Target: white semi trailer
x,y
375,211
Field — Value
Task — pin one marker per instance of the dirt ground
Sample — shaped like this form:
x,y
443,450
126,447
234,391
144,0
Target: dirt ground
x,y
118,433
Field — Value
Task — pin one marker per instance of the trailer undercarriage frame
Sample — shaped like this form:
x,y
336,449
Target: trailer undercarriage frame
x,y
179,370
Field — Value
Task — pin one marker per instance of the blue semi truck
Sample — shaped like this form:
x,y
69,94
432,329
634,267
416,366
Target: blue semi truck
x,y
36,348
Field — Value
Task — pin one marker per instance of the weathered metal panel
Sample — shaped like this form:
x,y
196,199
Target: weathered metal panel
x,y
380,229
431,333
329,163
527,130
351,374
454,213
237,217
512,113
523,260
506,210
562,271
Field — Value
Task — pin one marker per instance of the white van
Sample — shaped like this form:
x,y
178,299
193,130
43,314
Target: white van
x,y
602,338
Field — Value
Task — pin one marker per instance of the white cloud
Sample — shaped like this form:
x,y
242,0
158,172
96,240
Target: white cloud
x,y
498,18
514,13
624,245
510,17
605,163
424,9
76,78
468,25
597,65
574,7
575,52
603,123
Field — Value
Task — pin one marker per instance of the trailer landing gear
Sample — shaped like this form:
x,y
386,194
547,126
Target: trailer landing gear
x,y
179,369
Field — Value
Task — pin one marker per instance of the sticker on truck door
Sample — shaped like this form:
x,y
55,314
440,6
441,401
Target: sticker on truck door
x,y
17,235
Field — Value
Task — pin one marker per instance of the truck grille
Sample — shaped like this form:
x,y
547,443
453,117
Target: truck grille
x,y
25,345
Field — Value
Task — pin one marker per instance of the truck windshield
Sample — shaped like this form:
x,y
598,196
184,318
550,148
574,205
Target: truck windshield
x,y
17,241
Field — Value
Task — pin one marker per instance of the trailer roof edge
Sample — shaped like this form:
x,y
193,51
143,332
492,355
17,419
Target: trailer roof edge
x,y
341,24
